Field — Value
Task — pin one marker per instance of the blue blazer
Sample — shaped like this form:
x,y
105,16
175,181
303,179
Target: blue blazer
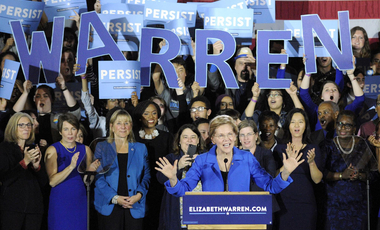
x,y
244,166
138,174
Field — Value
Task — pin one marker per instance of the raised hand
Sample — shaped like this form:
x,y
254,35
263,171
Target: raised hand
x,y
217,47
60,81
27,85
196,88
169,170
351,71
184,161
292,162
373,141
256,90
74,160
134,99
311,156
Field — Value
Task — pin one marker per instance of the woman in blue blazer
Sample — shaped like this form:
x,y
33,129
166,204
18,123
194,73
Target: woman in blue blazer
x,y
225,167
120,192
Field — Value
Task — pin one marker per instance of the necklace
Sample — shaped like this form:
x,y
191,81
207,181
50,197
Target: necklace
x,y
75,148
344,151
143,135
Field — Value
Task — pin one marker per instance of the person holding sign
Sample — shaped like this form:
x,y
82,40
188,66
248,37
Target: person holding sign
x,y
330,92
225,167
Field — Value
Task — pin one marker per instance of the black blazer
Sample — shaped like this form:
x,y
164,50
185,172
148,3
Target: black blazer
x,y
21,188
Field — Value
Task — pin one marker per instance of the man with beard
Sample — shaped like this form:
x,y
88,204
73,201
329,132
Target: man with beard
x,y
328,112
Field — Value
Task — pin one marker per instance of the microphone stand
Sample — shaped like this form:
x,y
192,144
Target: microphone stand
x,y
226,184
88,181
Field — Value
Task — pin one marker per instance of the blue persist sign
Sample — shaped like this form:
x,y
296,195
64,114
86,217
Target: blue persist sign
x,y
118,79
159,13
64,8
28,12
8,78
227,4
227,209
372,86
121,8
265,10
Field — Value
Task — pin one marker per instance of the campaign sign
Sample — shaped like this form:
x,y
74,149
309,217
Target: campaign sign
x,y
64,8
121,8
8,78
265,10
159,13
125,30
118,79
143,2
28,12
247,208
228,4
372,86
239,23
104,2
295,47
179,27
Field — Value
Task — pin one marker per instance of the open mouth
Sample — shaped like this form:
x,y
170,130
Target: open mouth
x,y
331,97
323,122
42,105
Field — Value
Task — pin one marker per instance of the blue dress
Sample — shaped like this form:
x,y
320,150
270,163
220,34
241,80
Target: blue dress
x,y
67,206
297,202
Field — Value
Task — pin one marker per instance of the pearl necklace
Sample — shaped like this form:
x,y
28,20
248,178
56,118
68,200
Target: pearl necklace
x,y
143,135
75,148
344,151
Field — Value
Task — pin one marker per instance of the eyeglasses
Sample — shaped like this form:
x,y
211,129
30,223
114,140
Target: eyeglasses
x,y
346,126
247,135
273,95
23,125
376,60
200,109
225,104
224,136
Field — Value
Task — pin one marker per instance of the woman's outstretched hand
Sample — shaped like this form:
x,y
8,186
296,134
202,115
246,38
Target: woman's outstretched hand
x,y
169,170
292,162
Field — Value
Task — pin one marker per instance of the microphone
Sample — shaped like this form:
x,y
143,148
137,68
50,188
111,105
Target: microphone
x,y
226,184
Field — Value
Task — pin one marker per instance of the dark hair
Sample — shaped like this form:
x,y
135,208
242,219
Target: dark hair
x,y
49,90
68,50
2,55
262,102
177,149
199,121
70,118
347,113
202,99
230,112
71,31
30,112
287,135
268,115
140,109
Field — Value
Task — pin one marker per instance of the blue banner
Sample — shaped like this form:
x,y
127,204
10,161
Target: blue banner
x,y
64,8
239,23
179,27
124,29
227,209
8,78
295,47
372,87
228,4
121,8
143,2
265,10
159,13
28,12
118,79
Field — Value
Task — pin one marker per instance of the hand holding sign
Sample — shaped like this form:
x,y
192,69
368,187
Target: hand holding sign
x,y
255,90
27,86
217,47
134,99
292,89
75,18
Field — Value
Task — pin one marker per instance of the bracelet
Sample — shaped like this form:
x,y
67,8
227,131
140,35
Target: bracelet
x,y
282,67
64,89
307,75
84,77
114,199
253,100
341,176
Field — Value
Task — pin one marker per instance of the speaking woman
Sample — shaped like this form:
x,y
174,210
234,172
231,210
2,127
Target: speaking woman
x,y
226,163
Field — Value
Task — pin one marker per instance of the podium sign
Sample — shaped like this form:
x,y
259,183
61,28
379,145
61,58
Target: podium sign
x,y
227,208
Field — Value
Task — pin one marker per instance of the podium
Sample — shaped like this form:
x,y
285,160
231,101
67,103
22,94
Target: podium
x,y
227,210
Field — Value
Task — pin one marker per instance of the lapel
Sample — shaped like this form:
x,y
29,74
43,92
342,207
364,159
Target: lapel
x,y
131,153
212,161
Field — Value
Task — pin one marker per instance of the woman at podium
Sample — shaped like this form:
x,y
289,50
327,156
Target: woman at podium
x,y
225,167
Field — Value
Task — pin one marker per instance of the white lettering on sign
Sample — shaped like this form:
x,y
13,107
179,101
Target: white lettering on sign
x,y
20,12
8,73
227,21
169,15
122,27
113,74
